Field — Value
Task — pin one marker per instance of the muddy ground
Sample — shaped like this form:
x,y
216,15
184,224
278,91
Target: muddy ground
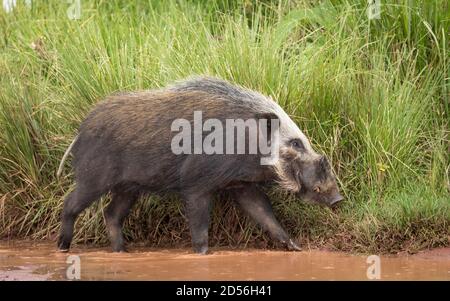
x,y
41,261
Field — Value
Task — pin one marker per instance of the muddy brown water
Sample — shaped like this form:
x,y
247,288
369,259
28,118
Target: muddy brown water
x,y
41,261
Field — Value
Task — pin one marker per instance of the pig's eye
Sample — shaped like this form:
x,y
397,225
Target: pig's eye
x,y
317,189
297,144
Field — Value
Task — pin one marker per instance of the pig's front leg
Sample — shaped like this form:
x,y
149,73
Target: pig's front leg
x,y
198,209
256,204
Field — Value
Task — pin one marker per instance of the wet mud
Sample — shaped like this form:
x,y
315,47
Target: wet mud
x,y
41,261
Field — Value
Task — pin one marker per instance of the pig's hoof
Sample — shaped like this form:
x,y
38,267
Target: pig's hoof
x,y
119,249
63,246
201,250
292,246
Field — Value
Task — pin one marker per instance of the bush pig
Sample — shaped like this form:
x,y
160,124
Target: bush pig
x,y
125,147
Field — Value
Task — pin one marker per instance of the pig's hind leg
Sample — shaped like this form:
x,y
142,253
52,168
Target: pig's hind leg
x,y
115,213
257,205
78,200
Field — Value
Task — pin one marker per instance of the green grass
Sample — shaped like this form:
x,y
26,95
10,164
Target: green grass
x,y
371,94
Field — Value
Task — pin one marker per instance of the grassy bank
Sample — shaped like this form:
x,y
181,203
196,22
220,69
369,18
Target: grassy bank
x,y
371,94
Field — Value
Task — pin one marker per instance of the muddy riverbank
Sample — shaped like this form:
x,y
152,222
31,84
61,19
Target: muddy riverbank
x,y
41,261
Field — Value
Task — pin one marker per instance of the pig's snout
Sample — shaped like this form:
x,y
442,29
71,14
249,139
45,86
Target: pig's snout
x,y
335,200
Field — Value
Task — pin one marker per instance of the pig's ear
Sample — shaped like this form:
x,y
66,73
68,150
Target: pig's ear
x,y
325,166
268,117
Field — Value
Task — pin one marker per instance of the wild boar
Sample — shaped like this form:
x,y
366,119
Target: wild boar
x,y
125,147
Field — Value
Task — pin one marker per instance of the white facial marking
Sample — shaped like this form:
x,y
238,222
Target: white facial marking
x,y
289,130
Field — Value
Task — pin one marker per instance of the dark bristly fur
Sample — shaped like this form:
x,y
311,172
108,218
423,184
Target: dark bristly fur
x,y
124,147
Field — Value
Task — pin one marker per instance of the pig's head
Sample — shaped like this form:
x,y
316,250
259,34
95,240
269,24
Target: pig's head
x,y
301,170
310,177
